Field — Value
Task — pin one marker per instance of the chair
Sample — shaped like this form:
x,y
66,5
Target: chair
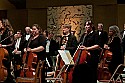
x,y
51,78
118,72
36,76
58,78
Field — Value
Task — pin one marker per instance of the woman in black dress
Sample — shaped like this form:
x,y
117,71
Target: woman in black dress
x,y
114,45
87,71
6,41
36,44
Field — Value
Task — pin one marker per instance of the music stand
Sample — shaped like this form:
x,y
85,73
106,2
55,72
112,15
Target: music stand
x,y
67,58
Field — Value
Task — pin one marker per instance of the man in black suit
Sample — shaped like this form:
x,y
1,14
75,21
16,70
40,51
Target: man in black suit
x,y
68,42
18,46
27,33
122,33
103,35
51,48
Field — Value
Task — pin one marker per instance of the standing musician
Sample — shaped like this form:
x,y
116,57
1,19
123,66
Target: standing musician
x,y
6,30
18,46
87,71
6,39
68,41
37,45
27,33
114,45
103,35
51,48
123,38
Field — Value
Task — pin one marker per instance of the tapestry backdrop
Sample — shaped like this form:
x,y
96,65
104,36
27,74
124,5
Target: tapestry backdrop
x,y
74,15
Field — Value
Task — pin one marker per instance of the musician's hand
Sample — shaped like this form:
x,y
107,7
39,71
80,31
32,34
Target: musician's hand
x,y
15,51
0,45
82,47
25,50
106,46
62,47
28,49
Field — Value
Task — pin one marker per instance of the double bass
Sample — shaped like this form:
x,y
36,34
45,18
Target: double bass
x,y
29,60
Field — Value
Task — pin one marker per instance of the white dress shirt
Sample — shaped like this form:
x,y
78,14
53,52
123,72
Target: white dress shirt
x,y
17,43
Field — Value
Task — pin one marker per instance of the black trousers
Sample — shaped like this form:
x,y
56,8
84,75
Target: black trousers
x,y
84,73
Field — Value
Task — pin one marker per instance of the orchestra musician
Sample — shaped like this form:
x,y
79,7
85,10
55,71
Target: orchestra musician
x,y
123,39
114,45
37,45
87,70
103,35
27,33
67,42
18,46
51,48
6,39
6,30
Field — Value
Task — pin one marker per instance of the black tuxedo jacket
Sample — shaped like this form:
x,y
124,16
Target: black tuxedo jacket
x,y
21,46
103,38
53,48
123,40
71,43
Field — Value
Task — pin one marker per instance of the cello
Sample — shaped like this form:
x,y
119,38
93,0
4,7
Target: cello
x,y
103,72
3,61
29,60
3,69
79,57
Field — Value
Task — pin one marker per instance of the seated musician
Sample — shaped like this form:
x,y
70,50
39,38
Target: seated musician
x,y
87,70
37,45
18,46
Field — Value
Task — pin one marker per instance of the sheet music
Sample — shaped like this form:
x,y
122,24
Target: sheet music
x,y
66,57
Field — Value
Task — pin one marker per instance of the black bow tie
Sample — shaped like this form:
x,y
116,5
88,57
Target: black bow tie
x,y
27,34
65,36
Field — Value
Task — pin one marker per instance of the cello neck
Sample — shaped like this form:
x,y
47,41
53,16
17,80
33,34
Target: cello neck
x,y
80,51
